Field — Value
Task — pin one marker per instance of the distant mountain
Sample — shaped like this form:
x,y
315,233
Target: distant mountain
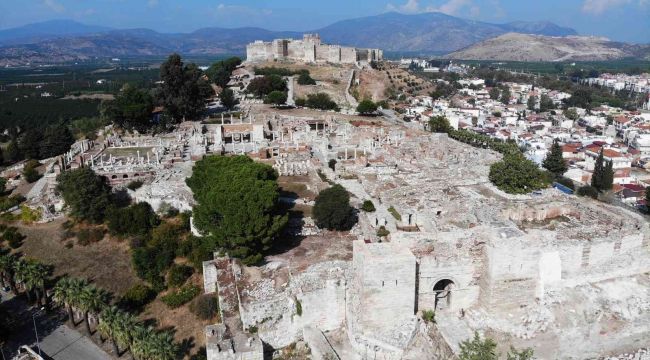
x,y
526,47
427,33
46,30
539,28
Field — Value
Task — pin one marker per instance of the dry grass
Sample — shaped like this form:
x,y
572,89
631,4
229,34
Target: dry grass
x,y
106,263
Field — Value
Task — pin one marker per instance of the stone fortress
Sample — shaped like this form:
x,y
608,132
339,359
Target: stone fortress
x,y
311,50
567,276
564,275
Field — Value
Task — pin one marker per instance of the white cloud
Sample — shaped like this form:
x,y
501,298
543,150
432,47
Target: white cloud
x,y
451,7
152,3
54,6
598,7
224,9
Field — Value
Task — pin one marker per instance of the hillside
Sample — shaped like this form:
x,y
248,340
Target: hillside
x,y
524,47
429,33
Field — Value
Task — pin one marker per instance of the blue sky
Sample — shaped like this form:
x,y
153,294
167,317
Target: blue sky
x,y
625,20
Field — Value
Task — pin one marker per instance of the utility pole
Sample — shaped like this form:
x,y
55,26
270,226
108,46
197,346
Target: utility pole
x,y
38,345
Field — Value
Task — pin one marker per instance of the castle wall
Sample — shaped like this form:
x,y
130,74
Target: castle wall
x,y
464,294
386,273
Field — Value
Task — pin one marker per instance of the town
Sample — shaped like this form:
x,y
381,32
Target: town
x,y
314,200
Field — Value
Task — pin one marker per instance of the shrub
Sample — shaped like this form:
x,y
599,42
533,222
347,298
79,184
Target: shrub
x,y
181,296
298,308
88,236
366,107
566,182
276,98
136,219
137,296
332,164
305,79
395,214
590,191
429,316
13,237
135,185
382,231
29,215
301,102
29,171
321,101
7,203
69,245
205,307
368,206
517,175
178,274
332,209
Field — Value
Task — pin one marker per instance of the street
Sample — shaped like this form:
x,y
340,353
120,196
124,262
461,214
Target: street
x,y
56,339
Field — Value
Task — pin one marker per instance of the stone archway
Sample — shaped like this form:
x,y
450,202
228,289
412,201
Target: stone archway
x,y
443,290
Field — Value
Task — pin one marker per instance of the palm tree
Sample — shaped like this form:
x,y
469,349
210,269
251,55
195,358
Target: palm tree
x,y
164,346
23,274
107,326
92,300
142,347
36,280
67,292
124,325
7,271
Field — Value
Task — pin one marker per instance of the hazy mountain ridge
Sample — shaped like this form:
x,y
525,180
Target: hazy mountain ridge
x,y
526,47
425,33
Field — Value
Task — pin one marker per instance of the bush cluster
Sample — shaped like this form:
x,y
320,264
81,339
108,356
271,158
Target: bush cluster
x,y
178,274
205,307
137,297
177,298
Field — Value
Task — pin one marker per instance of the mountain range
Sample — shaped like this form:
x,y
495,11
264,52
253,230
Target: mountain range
x,y
426,33
527,47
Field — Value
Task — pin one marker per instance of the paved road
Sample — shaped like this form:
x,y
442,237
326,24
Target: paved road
x,y
57,340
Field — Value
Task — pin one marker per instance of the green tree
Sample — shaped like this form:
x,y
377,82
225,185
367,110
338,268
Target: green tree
x,y
30,143
505,96
276,98
366,107
228,99
57,139
514,354
477,349
131,109
494,93
332,209
545,103
8,271
321,101
532,101
571,114
517,175
137,219
91,301
439,124
598,176
238,208
608,176
183,91
221,71
12,152
305,79
554,161
86,194
30,174
264,85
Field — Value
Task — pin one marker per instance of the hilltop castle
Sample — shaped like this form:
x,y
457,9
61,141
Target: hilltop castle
x,y
309,49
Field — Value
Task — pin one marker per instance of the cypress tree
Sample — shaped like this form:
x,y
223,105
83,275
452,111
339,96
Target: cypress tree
x,y
554,162
608,176
599,172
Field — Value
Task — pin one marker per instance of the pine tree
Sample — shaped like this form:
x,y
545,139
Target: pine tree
x,y
554,161
608,176
599,172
